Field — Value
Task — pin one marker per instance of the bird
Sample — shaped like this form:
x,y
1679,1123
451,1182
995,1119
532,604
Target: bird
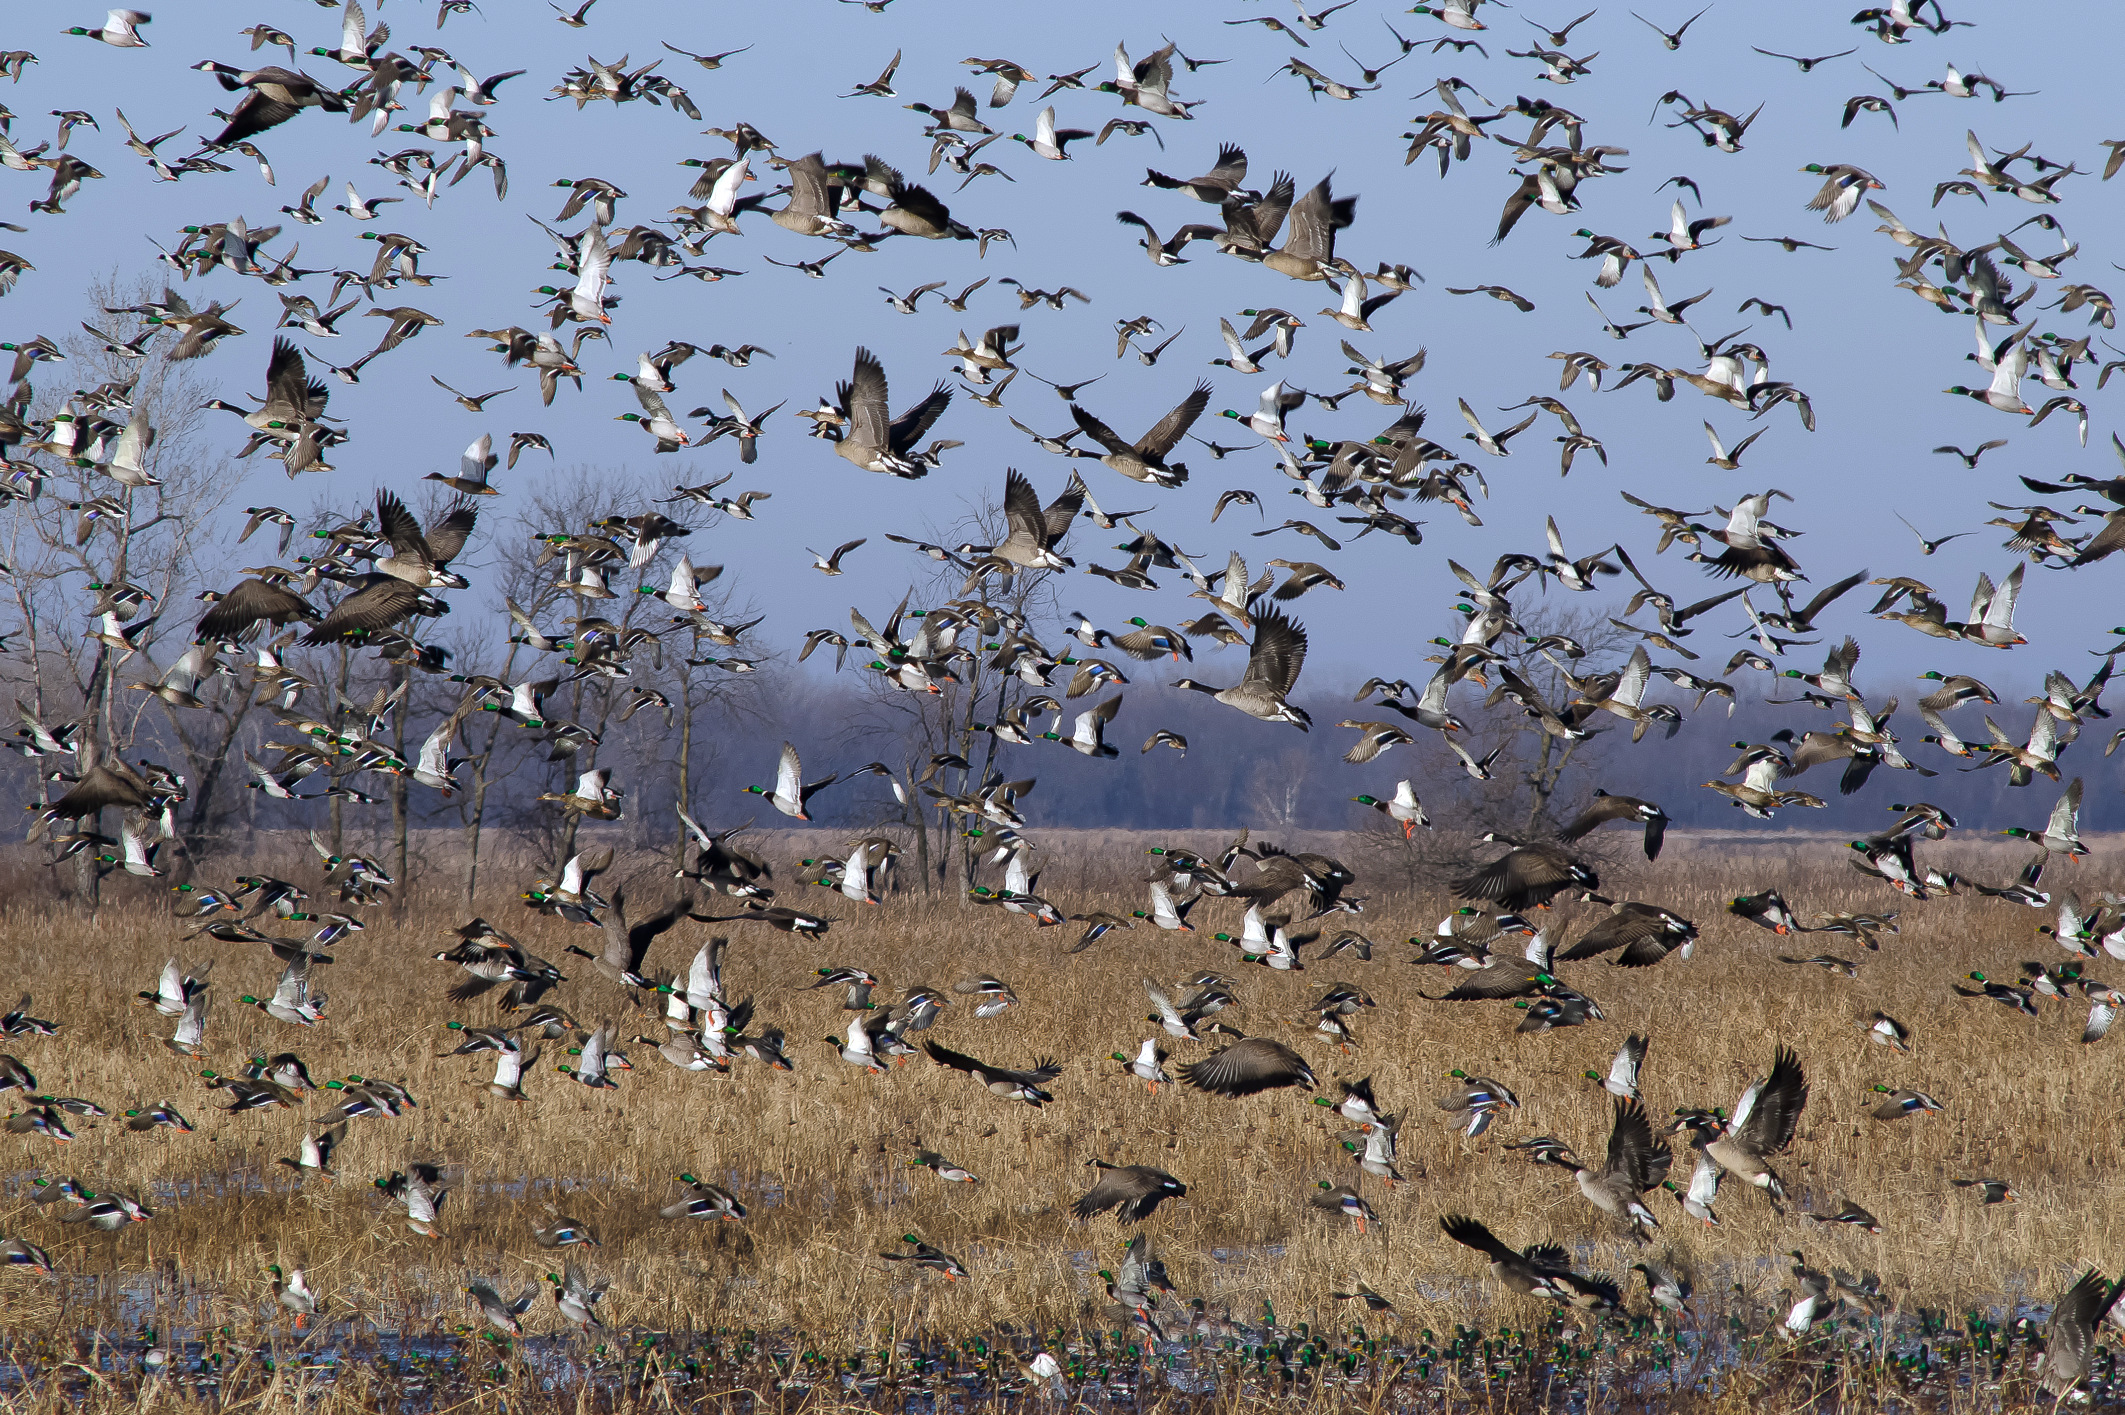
x,y
1133,1192
1763,1125
1248,1066
791,794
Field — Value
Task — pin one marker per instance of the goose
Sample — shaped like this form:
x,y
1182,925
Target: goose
x,y
1646,933
874,440
1274,660
1133,1192
1608,808
1248,1066
1497,977
1308,252
1217,186
1543,1270
1146,459
1024,1085
1764,1121
1527,876
1635,1165
2069,1337
912,210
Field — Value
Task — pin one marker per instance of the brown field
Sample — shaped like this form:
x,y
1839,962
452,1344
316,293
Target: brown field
x,y
820,1154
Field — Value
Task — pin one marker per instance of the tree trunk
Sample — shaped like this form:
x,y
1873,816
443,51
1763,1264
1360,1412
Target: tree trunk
x,y
339,845
399,787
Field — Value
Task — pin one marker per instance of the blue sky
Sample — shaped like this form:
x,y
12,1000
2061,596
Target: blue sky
x,y
1873,358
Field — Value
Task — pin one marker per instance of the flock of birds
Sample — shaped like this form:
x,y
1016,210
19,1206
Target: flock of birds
x,y
387,572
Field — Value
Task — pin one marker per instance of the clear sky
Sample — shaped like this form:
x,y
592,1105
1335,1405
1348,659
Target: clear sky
x,y
1873,358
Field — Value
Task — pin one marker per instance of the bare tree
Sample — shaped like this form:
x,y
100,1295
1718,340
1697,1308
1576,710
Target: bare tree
x,y
108,513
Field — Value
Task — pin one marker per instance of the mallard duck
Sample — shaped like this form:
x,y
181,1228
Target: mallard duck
x,y
595,1060
317,1149
704,1201
121,30
1763,1124
2007,994
1148,1065
1267,420
1478,1097
1990,1191
162,1113
561,1232
293,1293
1766,910
1703,1192
1134,1191
1887,1031
1622,1078
1088,738
1901,1103
574,1298
501,1313
1404,809
1048,141
935,1259
1843,186
1145,83
21,1253
252,1095
107,1212
2062,835
1342,1199
791,793
943,1168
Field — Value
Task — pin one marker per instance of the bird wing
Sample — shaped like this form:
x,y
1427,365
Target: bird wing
x,y
869,421
1279,651
1768,1125
1166,434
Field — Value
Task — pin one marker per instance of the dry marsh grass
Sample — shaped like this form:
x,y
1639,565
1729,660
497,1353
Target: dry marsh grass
x,y
820,1154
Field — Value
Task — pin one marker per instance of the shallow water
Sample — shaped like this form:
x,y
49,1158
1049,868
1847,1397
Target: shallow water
x,y
1914,1361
